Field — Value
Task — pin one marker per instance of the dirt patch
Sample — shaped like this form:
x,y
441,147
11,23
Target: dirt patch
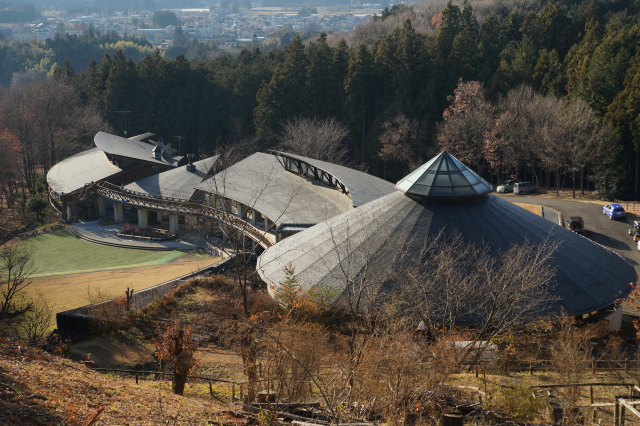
x,y
116,351
533,208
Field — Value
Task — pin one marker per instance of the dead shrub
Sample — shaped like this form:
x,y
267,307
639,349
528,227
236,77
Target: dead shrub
x,y
296,353
571,354
216,282
400,374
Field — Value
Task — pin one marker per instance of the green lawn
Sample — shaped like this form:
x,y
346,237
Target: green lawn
x,y
59,253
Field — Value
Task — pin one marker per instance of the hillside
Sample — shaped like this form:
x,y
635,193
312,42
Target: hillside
x,y
45,389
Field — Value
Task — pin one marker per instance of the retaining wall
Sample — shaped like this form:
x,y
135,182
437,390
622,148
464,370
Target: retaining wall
x,y
88,320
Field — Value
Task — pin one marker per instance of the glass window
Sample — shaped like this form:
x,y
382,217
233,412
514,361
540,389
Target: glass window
x,y
441,191
426,179
470,177
464,191
442,180
458,180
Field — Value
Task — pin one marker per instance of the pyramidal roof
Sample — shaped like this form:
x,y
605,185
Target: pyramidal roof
x,y
443,177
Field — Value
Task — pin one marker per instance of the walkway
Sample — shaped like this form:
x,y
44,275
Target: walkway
x,y
92,231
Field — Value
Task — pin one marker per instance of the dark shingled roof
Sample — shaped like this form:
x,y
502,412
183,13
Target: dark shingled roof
x,y
132,148
174,183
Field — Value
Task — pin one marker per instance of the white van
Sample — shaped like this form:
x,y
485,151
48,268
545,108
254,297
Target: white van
x,y
524,188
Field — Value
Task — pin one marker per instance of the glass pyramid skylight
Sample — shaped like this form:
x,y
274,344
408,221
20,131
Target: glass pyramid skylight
x,y
443,177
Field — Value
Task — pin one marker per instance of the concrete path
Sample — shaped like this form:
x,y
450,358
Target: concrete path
x,y
93,232
552,215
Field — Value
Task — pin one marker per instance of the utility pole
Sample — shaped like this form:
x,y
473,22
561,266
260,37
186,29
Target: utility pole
x,y
179,139
124,113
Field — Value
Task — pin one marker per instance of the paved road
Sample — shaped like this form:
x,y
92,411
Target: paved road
x,y
612,234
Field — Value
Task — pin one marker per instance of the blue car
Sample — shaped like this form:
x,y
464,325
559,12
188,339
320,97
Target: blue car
x,y
614,211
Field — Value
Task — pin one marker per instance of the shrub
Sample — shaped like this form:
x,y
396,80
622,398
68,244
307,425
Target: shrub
x,y
518,401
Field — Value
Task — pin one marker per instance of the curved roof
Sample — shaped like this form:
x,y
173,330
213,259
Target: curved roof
x,y
589,277
362,187
132,148
443,177
259,181
175,183
78,170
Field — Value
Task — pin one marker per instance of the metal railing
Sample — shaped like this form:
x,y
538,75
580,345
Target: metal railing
x,y
174,205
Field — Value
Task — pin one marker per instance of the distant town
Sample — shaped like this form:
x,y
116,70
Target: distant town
x,y
218,25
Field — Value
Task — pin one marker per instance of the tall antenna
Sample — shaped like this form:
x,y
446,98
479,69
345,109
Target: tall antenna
x,y
124,113
179,139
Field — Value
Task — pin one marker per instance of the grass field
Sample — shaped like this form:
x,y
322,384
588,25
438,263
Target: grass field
x,y
71,272
60,253
72,291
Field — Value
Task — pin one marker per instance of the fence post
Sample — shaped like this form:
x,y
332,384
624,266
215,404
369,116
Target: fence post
x,y
626,365
136,378
233,391
616,413
622,414
531,369
210,388
593,366
590,394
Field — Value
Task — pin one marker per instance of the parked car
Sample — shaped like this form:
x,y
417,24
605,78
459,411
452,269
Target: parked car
x,y
576,224
634,230
614,211
507,186
524,188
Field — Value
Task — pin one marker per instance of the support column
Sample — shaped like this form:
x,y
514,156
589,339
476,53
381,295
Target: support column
x,y
101,207
143,218
69,212
118,212
173,223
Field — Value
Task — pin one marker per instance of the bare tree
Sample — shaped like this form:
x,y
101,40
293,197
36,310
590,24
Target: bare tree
x,y
452,283
399,140
16,266
48,121
466,122
322,139
36,322
585,139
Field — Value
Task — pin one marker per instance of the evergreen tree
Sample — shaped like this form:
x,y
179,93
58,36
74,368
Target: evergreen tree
x,y
281,97
359,98
548,74
449,27
320,80
120,90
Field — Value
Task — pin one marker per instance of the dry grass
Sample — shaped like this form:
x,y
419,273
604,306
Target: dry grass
x,y
44,389
66,292
533,208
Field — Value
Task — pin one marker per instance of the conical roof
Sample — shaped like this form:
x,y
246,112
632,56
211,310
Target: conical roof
x,y
443,177
375,239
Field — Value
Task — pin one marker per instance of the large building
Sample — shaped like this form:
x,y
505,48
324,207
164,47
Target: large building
x,y
333,224
267,196
443,197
